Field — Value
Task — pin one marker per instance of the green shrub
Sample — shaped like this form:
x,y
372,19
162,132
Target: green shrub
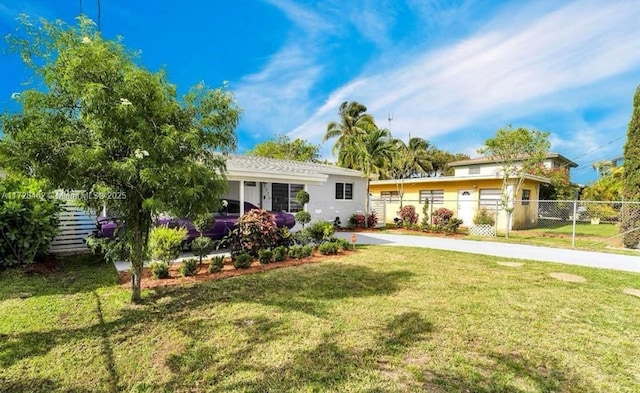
x,y
452,225
328,248
165,243
307,251
255,230
484,217
303,217
265,256
302,197
216,264
189,267
295,251
343,244
159,269
242,261
204,222
408,216
28,220
321,230
201,246
284,238
280,253
425,216
303,237
372,219
357,220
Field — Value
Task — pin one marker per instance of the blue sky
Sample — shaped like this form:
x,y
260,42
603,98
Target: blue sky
x,y
452,72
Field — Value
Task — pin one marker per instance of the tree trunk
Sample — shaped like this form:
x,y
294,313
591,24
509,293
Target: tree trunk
x,y
141,227
136,278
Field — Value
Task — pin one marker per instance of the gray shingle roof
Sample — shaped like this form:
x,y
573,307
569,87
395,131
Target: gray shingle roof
x,y
263,164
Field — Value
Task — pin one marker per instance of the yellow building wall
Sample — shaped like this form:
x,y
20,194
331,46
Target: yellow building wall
x,y
524,216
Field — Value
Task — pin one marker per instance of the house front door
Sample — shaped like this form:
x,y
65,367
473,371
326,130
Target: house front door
x,y
466,202
252,192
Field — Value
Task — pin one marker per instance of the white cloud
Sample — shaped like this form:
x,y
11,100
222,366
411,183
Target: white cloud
x,y
501,72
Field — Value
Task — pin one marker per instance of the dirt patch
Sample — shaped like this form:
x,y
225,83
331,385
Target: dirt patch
x,y
567,277
511,264
43,266
632,292
227,271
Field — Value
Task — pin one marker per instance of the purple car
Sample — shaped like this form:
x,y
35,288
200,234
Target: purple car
x,y
225,220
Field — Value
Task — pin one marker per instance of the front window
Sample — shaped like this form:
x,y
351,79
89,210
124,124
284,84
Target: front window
x,y
490,198
390,196
526,197
435,197
344,190
283,197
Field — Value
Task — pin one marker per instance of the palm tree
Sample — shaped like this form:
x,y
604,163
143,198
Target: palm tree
x,y
605,167
353,121
370,153
410,160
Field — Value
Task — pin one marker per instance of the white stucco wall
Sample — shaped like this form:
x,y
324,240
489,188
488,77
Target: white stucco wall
x,y
485,170
323,204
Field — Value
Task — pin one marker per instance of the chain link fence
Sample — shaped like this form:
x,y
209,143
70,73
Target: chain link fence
x,y
589,223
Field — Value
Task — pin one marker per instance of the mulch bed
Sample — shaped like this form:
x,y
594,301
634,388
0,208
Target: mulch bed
x,y
227,271
43,266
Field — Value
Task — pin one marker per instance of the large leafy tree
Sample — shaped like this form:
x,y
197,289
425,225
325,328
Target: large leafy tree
x,y
559,186
440,160
518,151
354,120
284,148
631,177
101,123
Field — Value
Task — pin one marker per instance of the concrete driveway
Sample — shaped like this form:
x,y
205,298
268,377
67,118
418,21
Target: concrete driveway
x,y
628,263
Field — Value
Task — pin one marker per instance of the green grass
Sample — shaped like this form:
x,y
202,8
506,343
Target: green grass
x,y
380,320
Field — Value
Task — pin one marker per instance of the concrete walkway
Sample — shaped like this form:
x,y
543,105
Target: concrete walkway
x,y
628,263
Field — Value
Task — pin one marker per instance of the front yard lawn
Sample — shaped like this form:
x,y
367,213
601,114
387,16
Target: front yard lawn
x,y
383,319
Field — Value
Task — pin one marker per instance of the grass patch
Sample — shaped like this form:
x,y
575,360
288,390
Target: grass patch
x,y
381,320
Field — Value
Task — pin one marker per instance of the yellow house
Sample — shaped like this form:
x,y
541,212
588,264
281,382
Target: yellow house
x,y
477,184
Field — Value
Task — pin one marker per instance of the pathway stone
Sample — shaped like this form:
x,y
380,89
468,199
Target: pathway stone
x,y
632,292
567,277
511,264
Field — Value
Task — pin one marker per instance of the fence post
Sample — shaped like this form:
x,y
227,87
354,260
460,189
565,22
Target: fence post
x,y
497,214
573,230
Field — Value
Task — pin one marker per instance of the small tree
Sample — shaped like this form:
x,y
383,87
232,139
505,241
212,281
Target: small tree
x,y
100,123
284,148
518,151
303,217
631,177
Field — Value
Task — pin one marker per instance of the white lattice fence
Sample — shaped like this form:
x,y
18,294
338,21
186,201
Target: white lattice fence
x,y
482,230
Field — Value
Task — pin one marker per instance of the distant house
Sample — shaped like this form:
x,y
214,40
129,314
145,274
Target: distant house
x,y
476,184
272,184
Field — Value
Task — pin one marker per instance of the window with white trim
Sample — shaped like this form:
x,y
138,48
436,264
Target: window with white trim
x,y
526,197
344,190
435,197
283,197
390,196
474,170
490,198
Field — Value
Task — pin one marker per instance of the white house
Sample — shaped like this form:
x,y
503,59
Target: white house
x,y
485,166
272,184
